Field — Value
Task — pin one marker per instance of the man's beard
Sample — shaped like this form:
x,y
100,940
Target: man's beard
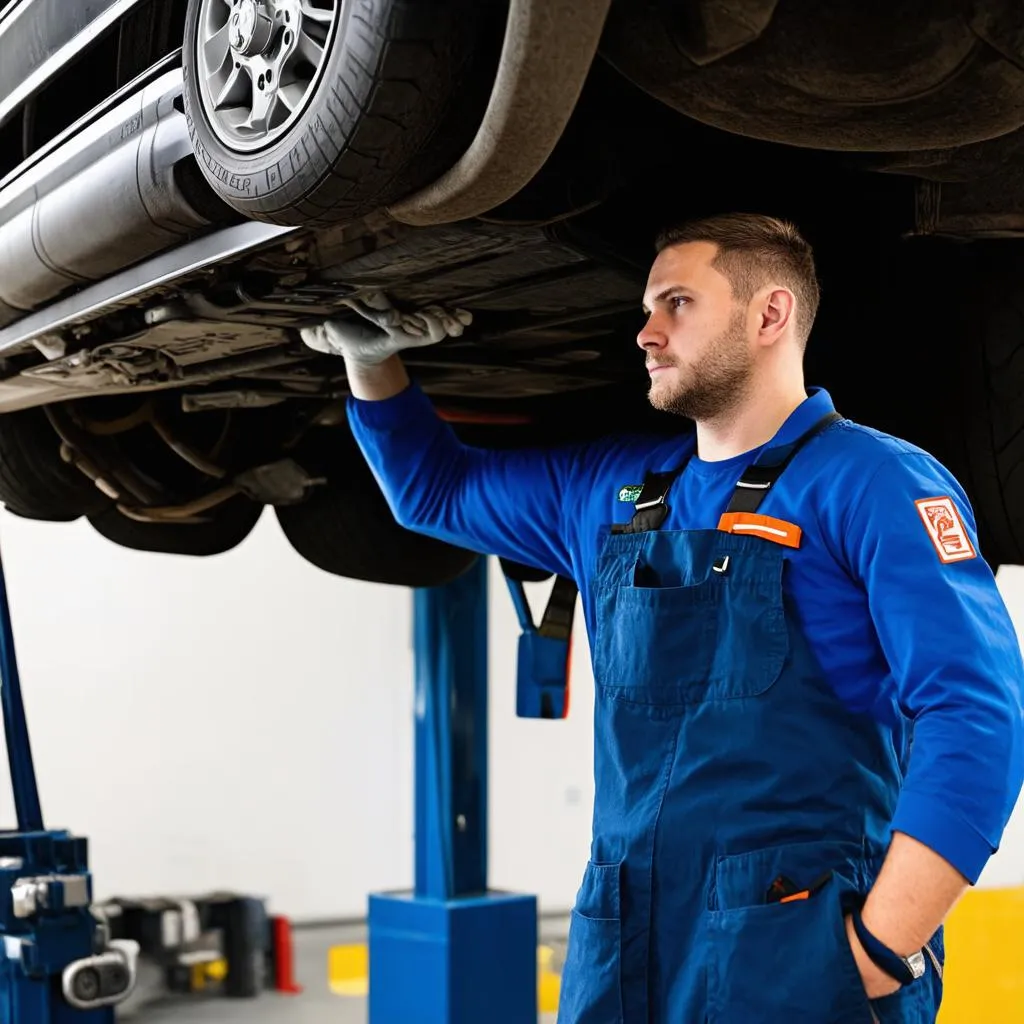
x,y
718,381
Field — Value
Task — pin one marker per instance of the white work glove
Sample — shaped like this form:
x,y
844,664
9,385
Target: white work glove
x,y
385,331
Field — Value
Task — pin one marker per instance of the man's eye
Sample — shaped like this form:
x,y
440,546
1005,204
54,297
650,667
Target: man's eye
x,y
678,301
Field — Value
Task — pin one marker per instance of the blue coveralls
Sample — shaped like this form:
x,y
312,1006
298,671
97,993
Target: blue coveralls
x,y
724,762
753,717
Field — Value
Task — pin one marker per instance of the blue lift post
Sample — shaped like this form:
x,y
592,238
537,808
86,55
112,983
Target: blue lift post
x,y
56,966
452,951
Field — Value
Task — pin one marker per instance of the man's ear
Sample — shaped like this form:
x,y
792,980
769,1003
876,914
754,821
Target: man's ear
x,y
778,310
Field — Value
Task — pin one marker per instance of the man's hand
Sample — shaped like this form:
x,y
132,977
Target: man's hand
x,y
384,331
911,897
876,982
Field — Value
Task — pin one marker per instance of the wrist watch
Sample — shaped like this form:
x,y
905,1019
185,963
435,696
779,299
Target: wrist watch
x,y
905,969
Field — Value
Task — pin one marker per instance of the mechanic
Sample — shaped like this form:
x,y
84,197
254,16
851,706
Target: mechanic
x,y
791,600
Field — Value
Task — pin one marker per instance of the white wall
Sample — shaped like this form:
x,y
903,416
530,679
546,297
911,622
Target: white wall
x,y
197,718
245,722
1006,868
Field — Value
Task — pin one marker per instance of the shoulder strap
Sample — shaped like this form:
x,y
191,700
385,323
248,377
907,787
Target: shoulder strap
x,y
760,476
650,508
557,620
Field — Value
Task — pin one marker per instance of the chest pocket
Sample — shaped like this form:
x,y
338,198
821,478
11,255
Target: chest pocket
x,y
688,618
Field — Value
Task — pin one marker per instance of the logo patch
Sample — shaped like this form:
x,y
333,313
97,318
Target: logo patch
x,y
630,492
946,529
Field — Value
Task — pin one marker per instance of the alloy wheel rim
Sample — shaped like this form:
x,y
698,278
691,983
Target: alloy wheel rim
x,y
259,63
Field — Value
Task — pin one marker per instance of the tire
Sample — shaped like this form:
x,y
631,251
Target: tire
x,y
347,529
246,932
986,418
390,109
941,363
522,572
229,524
35,482
953,371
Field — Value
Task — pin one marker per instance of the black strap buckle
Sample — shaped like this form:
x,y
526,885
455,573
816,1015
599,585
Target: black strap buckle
x,y
654,490
651,508
760,476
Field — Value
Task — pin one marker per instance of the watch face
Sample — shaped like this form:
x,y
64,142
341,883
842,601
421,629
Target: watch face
x,y
916,963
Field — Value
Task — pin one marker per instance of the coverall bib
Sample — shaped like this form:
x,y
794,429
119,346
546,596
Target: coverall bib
x,y
724,763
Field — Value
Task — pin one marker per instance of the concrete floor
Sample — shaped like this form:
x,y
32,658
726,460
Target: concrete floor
x,y
316,1005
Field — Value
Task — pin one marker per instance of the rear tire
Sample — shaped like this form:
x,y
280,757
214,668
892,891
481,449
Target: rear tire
x,y
35,482
523,573
980,385
940,363
229,524
347,529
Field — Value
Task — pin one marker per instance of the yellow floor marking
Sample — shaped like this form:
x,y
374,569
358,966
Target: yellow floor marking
x,y
984,983
549,984
348,974
351,987
348,970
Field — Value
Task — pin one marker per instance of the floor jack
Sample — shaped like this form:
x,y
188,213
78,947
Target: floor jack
x,y
58,963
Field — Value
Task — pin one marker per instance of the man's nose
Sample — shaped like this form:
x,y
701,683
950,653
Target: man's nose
x,y
651,335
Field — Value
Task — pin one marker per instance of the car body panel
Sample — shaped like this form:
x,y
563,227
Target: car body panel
x,y
50,240
38,37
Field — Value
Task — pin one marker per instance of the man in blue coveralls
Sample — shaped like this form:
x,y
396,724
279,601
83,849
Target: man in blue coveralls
x,y
788,597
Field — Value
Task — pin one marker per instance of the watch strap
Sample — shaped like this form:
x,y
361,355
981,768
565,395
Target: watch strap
x,y
904,969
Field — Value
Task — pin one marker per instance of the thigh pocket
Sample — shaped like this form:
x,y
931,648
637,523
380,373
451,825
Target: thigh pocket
x,y
591,991
772,962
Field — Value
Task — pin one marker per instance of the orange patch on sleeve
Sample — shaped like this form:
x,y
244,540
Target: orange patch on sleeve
x,y
766,527
946,529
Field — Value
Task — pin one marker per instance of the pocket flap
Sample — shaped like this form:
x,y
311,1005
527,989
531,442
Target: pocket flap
x,y
743,879
598,897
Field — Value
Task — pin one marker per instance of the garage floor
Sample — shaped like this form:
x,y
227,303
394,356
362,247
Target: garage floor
x,y
316,1005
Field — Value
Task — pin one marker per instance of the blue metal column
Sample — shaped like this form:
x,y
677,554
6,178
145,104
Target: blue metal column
x,y
451,951
19,749
450,638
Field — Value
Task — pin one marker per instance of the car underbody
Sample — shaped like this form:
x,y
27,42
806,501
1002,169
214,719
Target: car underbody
x,y
133,291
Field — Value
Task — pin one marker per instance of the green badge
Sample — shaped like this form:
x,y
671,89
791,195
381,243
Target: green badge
x,y
630,492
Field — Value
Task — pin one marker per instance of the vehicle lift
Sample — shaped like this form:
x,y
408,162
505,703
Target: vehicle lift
x,y
451,951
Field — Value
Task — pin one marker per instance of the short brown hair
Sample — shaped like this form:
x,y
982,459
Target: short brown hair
x,y
752,248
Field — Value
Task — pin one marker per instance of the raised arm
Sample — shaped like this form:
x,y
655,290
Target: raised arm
x,y
507,503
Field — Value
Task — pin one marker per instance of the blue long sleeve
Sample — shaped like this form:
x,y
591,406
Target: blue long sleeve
x,y
953,654
913,626
508,503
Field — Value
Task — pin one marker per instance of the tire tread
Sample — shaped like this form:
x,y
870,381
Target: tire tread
x,y
994,413
367,132
34,481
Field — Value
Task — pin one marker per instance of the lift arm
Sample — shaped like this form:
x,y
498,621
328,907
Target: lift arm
x,y
19,749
